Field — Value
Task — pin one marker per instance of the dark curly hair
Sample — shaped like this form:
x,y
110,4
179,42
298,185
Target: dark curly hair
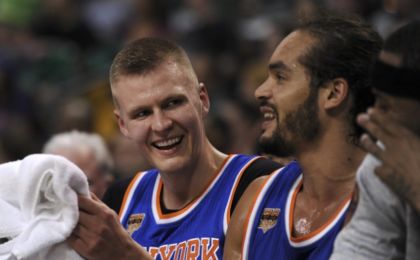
x,y
345,47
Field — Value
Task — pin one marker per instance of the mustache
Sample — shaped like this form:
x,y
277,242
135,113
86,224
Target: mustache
x,y
265,103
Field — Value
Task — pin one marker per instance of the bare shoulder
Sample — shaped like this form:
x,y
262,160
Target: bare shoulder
x,y
236,229
247,199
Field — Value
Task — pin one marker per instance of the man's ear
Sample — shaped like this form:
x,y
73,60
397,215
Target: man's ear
x,y
121,123
204,98
335,93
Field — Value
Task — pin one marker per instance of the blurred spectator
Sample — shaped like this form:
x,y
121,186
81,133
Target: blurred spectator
x,y
148,19
62,20
102,108
17,12
74,113
126,156
107,18
89,152
56,54
219,132
393,14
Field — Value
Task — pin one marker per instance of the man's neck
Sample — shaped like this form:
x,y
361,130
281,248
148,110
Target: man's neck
x,y
329,170
180,188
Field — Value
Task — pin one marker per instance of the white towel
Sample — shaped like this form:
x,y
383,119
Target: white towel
x,y
38,207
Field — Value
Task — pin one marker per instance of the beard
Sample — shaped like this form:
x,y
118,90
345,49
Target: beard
x,y
301,125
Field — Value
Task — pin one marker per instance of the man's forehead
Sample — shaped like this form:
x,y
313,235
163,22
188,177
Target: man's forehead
x,y
292,47
169,71
278,65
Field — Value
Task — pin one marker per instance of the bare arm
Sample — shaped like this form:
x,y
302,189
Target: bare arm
x,y
400,169
236,229
99,235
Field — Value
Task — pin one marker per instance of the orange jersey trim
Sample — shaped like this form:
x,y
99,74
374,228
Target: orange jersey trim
x,y
232,194
127,193
189,205
318,230
250,209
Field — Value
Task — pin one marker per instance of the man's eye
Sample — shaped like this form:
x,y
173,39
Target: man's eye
x,y
173,103
279,76
142,114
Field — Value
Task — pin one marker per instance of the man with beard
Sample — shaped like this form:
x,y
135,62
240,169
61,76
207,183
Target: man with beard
x,y
318,81
386,223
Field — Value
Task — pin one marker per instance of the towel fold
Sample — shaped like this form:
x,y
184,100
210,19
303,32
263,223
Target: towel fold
x,y
38,205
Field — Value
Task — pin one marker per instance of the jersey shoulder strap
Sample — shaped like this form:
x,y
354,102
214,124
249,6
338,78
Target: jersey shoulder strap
x,y
260,167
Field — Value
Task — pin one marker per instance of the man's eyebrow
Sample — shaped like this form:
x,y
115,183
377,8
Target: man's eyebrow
x,y
278,65
133,111
170,98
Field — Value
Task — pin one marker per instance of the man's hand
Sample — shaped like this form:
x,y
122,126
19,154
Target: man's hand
x,y
99,235
400,168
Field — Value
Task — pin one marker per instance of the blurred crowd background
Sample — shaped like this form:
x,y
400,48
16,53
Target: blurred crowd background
x,y
55,56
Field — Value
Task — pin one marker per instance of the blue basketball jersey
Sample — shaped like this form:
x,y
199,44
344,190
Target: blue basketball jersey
x,y
195,232
268,233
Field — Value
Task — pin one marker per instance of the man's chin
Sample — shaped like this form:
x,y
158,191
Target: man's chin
x,y
268,136
275,146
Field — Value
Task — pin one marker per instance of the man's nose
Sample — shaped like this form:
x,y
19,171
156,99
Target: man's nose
x,y
262,92
161,122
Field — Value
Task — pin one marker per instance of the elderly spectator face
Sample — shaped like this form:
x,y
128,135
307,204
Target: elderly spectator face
x,y
89,153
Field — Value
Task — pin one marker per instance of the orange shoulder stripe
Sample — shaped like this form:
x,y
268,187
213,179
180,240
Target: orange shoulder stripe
x,y
127,192
251,208
232,193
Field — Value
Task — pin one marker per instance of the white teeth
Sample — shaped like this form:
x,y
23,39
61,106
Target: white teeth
x,y
268,115
168,142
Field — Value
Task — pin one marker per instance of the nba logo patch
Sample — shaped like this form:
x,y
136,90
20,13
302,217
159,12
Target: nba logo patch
x,y
269,219
134,222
